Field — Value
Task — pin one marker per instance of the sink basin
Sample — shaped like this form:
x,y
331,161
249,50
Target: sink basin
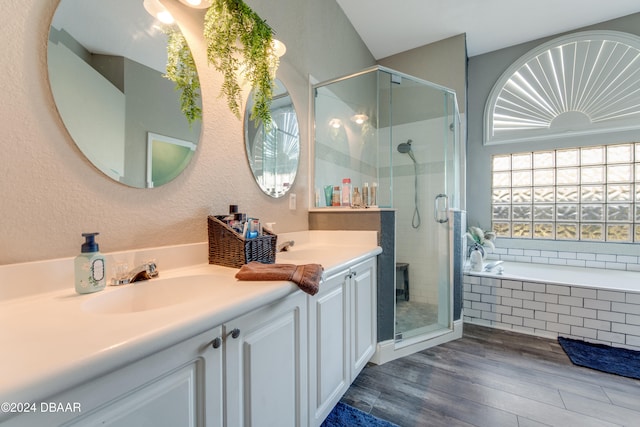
x,y
151,294
305,254
295,256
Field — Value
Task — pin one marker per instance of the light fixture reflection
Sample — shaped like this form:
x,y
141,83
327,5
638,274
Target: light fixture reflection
x,y
158,11
335,123
359,118
279,48
197,4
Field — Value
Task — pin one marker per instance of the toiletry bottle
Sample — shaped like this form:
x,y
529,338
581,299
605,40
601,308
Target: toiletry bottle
x,y
233,209
374,195
335,197
356,200
365,194
237,224
254,228
89,267
328,194
346,192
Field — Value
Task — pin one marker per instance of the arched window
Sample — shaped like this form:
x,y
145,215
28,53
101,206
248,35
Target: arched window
x,y
582,83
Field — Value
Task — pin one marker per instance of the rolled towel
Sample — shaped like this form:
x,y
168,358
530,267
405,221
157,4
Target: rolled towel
x,y
306,276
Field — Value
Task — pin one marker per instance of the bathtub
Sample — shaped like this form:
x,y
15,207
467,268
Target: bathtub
x,y
548,300
619,280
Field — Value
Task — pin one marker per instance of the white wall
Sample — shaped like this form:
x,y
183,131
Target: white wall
x,y
51,193
419,247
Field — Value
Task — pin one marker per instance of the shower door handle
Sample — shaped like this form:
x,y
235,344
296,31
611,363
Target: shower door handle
x,y
441,208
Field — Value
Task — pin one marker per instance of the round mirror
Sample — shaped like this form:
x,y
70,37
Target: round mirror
x,y
274,153
107,64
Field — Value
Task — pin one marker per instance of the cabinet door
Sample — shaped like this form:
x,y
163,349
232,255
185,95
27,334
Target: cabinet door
x,y
328,345
266,365
179,386
363,314
188,393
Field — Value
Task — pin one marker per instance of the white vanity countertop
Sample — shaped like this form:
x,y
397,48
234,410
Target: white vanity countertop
x,y
51,342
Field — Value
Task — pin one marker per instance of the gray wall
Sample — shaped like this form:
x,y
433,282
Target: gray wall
x,y
165,118
483,71
442,62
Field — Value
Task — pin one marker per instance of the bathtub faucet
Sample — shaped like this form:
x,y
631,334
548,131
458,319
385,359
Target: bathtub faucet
x,y
490,266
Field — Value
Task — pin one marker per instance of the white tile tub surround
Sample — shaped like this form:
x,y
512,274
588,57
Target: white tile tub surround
x,y
609,261
594,305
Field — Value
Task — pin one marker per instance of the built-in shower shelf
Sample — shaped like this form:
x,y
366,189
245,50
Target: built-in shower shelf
x,y
345,209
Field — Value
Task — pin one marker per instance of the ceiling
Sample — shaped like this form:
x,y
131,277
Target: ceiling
x,y
388,27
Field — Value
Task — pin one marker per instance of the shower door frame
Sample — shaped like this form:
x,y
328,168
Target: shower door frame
x,y
443,326
389,349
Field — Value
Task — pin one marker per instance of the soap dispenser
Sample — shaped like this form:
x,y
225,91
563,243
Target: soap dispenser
x,y
89,267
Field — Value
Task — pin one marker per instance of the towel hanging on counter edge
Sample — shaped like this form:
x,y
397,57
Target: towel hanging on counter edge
x,y
306,276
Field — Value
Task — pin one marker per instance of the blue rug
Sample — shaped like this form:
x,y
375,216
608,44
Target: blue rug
x,y
346,416
619,361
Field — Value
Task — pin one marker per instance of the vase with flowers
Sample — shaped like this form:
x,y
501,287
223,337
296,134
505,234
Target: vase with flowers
x,y
478,240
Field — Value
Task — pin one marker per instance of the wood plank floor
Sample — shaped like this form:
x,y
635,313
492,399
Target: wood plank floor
x,y
495,378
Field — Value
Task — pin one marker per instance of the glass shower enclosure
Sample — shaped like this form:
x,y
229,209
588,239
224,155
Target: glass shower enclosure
x,y
400,134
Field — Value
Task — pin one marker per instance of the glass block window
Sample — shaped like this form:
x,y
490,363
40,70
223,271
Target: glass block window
x,y
583,193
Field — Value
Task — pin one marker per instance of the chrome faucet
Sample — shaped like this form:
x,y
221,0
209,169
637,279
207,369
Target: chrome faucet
x,y
284,246
493,265
145,271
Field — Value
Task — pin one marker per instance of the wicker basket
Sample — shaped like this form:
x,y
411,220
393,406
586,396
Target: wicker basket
x,y
228,248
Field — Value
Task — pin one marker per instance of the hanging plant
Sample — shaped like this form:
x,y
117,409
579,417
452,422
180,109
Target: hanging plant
x,y
181,69
239,43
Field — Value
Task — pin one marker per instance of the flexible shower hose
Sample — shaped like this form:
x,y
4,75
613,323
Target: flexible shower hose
x,y
415,221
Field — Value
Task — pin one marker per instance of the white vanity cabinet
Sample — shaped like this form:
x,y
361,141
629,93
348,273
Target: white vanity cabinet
x,y
265,368
342,335
363,315
186,389
249,371
231,355
178,386
328,345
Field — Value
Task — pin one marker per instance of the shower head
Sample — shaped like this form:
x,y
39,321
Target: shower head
x,y
405,148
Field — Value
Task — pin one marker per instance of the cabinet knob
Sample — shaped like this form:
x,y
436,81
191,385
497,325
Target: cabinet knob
x,y
217,342
235,333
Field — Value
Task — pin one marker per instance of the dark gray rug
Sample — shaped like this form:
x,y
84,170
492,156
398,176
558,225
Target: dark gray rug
x,y
614,360
344,415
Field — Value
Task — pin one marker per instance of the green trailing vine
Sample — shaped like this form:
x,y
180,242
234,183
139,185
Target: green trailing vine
x,y
239,43
181,69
